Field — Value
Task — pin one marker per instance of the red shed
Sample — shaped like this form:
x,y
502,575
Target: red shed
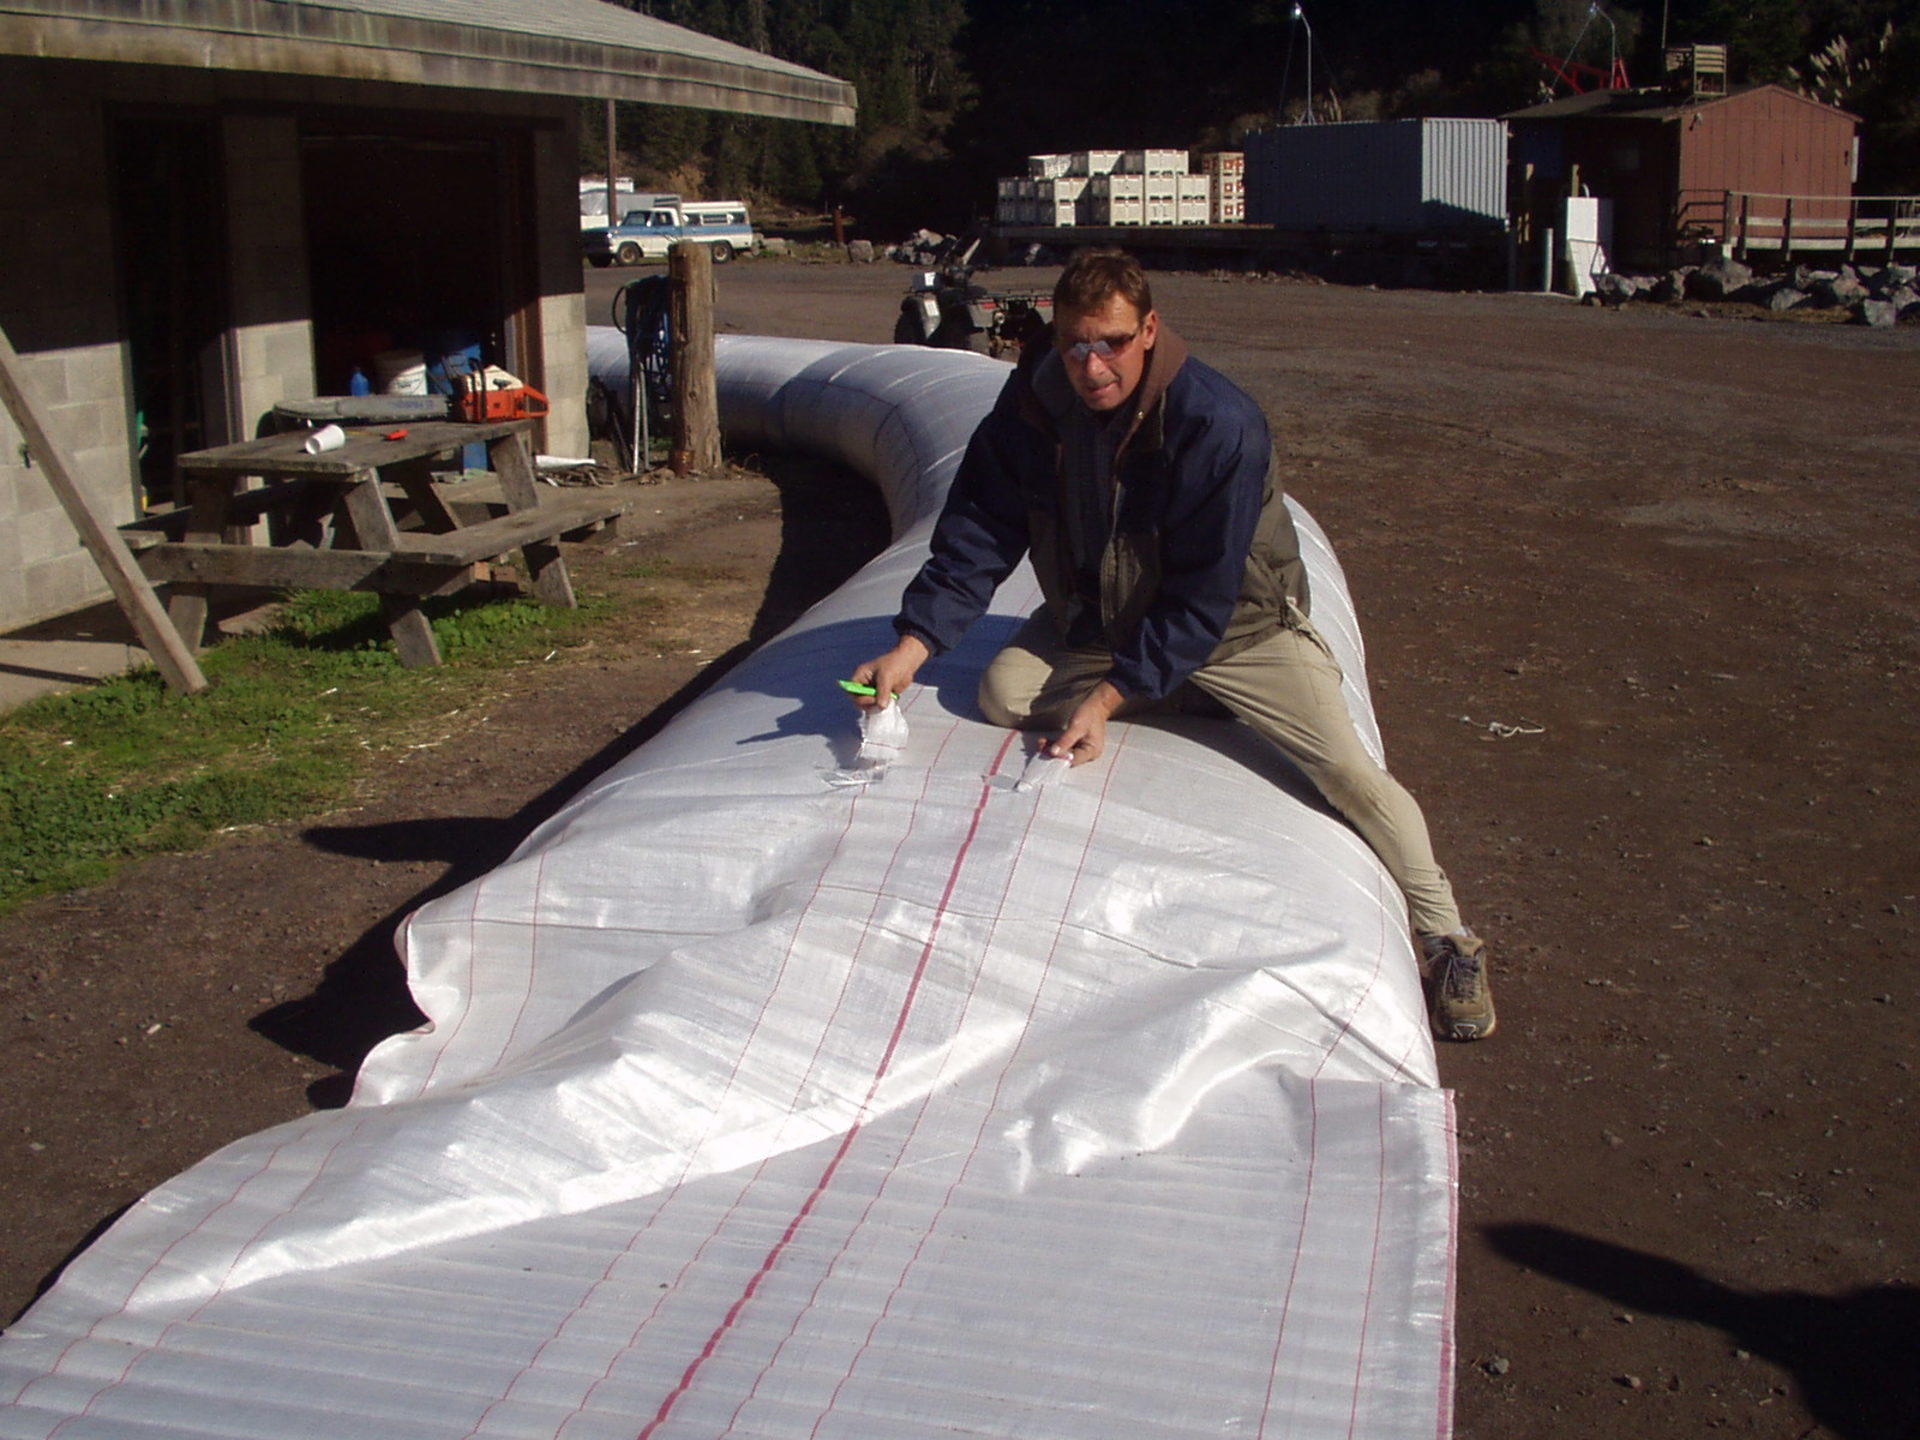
x,y
1669,159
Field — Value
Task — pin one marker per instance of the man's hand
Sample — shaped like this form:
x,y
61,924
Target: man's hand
x,y
1086,734
890,674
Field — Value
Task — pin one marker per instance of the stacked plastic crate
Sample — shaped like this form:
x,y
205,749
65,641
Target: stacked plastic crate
x,y
1116,199
1160,171
1059,201
1111,188
1226,172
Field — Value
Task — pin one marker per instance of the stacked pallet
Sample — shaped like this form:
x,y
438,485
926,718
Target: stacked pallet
x,y
1123,187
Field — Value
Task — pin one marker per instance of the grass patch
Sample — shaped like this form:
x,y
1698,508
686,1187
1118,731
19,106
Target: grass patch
x,y
294,718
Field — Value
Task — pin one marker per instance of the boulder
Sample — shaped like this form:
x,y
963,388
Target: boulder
x,y
1667,288
1780,295
860,252
1615,289
1889,278
1840,290
776,245
1718,281
1877,313
1804,277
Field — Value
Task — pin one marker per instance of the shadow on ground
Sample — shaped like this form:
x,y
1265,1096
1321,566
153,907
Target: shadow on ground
x,y
1855,1357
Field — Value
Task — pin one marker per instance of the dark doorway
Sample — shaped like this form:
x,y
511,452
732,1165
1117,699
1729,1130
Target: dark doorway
x,y
171,248
407,243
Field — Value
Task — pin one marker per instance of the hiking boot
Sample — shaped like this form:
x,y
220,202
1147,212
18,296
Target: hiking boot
x,y
1459,995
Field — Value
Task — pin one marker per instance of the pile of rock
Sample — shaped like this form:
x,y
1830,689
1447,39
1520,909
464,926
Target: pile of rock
x,y
923,248
1887,295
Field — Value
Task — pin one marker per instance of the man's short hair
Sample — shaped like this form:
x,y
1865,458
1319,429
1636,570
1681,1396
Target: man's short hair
x,y
1095,275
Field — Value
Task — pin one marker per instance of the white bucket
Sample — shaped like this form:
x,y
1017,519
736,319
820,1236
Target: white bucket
x,y
400,372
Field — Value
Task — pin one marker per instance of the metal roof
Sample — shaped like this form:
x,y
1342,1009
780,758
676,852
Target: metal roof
x,y
1651,104
584,48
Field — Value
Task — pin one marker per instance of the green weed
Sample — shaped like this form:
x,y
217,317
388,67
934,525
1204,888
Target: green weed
x,y
295,715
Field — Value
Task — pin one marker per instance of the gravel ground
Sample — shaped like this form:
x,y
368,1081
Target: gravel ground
x,y
1641,606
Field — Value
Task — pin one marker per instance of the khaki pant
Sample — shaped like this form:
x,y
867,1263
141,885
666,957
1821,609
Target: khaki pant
x,y
1287,688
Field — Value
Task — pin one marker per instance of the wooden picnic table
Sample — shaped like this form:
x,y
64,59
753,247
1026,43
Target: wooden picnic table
x,y
332,524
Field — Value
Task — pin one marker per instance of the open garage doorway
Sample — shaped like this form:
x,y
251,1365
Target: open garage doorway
x,y
418,249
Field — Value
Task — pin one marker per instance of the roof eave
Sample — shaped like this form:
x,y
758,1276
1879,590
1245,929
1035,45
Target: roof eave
x,y
355,45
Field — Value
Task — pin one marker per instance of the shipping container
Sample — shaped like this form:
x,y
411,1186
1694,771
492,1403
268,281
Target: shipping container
x,y
1046,167
1389,175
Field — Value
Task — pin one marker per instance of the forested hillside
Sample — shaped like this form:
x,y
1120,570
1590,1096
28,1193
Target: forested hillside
x,y
955,92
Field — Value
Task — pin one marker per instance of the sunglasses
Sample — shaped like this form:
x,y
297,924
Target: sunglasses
x,y
1079,351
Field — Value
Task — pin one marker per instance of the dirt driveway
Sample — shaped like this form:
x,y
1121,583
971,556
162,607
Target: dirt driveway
x,y
1641,598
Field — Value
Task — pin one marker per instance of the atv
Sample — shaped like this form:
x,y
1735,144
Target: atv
x,y
945,309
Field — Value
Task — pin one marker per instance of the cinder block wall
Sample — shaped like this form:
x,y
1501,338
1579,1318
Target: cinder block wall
x,y
267,269
60,309
563,308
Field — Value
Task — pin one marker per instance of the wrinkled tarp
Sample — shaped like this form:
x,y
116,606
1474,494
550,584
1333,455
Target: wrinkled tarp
x,y
751,1105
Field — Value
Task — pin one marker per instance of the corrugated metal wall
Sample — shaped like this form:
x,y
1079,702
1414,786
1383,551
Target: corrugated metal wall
x,y
1397,175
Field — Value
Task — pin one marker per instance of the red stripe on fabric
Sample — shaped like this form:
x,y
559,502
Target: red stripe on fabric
x,y
533,959
1379,959
926,1101
1443,1421
1299,1238
772,1257
668,1194
473,948
166,1330
1373,1260
987,1114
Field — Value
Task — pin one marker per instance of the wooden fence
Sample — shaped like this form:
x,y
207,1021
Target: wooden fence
x,y
1853,227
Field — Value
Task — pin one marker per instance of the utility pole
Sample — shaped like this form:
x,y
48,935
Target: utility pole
x,y
1300,14
613,200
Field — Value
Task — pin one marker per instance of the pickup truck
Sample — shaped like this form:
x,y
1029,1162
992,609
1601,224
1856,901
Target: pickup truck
x,y
720,225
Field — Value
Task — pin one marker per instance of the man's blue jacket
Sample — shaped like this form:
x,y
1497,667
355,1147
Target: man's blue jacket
x,y
1200,557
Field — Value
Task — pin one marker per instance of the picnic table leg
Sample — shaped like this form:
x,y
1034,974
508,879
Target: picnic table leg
x,y
416,478
209,498
374,529
514,465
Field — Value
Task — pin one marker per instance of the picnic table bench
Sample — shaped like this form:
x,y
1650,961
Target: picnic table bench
x,y
331,522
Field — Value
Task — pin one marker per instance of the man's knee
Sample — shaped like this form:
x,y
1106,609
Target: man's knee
x,y
1004,703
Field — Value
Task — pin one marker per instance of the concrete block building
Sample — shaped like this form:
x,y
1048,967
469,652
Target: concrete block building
x,y
208,209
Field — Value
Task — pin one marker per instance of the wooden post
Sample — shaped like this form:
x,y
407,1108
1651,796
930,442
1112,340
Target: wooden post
x,y
613,198
1746,220
696,400
131,589
1786,236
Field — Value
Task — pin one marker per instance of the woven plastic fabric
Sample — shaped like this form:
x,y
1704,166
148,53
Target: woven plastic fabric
x,y
755,1105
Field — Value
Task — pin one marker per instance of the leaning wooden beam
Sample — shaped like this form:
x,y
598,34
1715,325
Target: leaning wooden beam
x,y
130,587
